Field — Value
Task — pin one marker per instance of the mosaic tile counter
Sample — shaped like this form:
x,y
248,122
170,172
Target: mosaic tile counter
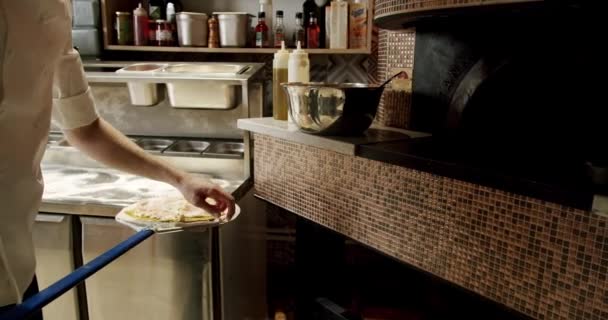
x,y
545,260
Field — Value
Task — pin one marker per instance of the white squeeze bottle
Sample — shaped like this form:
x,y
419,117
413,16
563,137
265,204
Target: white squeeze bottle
x,y
298,68
170,12
298,65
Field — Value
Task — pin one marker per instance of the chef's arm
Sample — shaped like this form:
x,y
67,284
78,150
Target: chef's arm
x,y
74,112
107,145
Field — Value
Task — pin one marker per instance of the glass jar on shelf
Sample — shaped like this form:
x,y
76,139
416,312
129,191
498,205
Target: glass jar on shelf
x,y
163,33
124,28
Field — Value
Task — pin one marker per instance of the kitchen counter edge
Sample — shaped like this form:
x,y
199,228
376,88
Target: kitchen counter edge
x,y
397,152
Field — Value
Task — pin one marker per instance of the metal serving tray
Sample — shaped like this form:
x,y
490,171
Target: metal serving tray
x,y
187,148
225,149
154,145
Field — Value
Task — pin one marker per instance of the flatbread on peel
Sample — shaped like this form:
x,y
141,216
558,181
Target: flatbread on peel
x,y
173,209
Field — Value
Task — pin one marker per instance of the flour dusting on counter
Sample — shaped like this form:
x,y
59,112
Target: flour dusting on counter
x,y
107,186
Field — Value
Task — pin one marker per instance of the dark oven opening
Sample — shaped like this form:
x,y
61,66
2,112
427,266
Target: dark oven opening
x,y
319,274
516,92
518,87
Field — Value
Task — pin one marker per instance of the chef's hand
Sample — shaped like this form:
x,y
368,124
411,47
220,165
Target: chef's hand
x,y
207,195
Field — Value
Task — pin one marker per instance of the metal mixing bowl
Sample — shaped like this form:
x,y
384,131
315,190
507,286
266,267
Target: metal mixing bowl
x,y
333,109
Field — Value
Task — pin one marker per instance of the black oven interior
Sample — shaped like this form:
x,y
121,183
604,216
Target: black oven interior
x,y
319,274
517,88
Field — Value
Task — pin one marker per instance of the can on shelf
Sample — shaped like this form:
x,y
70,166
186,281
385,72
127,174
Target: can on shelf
x,y
124,28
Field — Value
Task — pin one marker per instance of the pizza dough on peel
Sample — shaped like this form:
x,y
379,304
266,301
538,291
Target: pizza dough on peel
x,y
174,209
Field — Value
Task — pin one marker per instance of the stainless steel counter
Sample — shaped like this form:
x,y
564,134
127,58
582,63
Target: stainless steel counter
x,y
75,184
84,196
102,191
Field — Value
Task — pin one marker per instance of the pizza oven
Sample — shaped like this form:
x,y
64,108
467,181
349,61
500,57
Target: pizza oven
x,y
517,88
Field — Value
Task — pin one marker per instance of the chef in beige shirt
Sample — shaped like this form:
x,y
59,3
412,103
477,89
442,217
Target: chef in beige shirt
x,y
41,78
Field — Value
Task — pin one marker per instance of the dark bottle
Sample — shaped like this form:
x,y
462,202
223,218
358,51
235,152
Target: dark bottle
x,y
313,33
311,6
279,30
300,33
261,32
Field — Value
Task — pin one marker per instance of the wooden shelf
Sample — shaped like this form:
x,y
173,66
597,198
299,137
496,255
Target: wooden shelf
x,y
231,50
110,7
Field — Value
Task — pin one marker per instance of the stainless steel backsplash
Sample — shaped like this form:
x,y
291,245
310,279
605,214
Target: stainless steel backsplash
x,y
113,104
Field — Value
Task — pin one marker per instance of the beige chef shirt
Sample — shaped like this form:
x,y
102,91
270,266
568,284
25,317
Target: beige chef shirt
x,y
40,75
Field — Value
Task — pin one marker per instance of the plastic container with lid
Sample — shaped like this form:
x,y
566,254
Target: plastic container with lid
x,y
279,75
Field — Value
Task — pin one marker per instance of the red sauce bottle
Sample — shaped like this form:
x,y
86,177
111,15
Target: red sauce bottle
x,y
140,26
261,32
313,32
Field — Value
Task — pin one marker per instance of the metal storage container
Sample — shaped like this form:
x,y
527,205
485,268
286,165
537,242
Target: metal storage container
x,y
192,29
142,94
234,27
204,94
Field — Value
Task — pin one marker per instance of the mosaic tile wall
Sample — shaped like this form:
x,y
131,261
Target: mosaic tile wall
x,y
542,259
395,51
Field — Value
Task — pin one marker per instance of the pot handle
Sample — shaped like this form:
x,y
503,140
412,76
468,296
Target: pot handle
x,y
391,79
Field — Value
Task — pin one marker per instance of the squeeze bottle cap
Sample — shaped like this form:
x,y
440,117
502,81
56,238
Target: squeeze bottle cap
x,y
299,51
281,52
